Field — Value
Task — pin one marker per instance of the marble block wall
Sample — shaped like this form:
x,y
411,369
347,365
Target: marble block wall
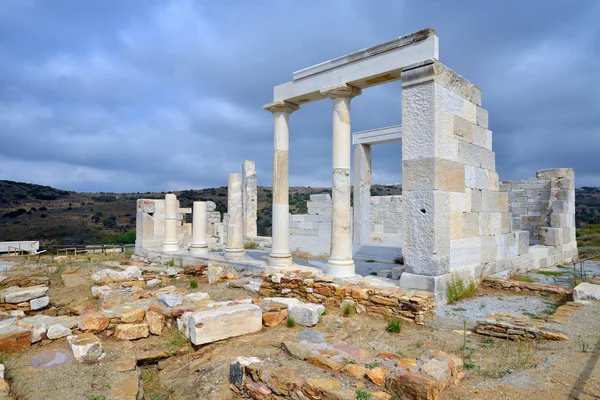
x,y
311,233
528,203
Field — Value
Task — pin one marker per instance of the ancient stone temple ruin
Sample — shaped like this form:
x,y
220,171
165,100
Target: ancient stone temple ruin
x,y
454,216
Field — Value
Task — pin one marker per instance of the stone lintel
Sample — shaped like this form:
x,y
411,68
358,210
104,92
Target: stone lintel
x,y
362,54
383,65
389,134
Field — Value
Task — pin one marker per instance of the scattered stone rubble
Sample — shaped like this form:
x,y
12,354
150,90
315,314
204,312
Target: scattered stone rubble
x,y
517,286
413,306
25,299
519,327
349,368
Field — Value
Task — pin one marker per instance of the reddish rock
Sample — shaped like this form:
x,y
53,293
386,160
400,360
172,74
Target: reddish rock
x,y
274,318
381,396
133,316
93,322
258,391
321,361
155,319
407,363
413,386
454,362
14,339
387,356
131,331
377,375
355,371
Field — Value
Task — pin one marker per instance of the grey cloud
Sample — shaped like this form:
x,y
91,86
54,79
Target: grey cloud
x,y
160,95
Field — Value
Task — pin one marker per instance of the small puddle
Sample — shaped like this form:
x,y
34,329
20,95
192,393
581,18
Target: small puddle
x,y
52,359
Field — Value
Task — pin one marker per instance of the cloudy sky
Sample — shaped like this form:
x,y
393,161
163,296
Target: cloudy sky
x,y
143,95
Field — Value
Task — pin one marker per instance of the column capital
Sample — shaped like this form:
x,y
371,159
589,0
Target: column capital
x,y
281,106
342,90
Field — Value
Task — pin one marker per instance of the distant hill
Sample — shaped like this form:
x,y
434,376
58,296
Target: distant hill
x,y
54,216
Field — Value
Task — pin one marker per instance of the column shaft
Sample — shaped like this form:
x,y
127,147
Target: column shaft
x,y
171,240
234,250
280,250
362,194
340,262
199,244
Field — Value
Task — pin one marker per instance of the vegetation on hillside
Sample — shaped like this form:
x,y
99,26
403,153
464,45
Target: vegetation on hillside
x,y
54,216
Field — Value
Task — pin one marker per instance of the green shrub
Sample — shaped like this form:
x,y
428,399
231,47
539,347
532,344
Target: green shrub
x,y
170,263
250,246
194,284
360,395
458,289
347,309
290,322
371,365
394,325
120,238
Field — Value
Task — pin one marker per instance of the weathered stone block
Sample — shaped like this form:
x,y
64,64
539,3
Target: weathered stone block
x,y
457,225
86,347
463,129
522,238
470,225
433,173
500,201
461,201
470,154
586,291
426,240
489,249
482,118
306,314
465,252
210,326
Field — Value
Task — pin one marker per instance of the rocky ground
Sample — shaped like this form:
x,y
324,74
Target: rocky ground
x,y
168,366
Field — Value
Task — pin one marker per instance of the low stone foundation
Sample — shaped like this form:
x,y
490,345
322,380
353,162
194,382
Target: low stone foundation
x,y
516,327
413,306
516,286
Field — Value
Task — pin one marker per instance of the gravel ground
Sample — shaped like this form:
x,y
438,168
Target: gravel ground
x,y
477,309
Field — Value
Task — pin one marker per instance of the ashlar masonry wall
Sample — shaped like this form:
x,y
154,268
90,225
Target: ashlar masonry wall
x,y
545,207
528,202
311,233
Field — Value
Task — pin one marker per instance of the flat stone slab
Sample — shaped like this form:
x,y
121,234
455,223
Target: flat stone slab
x,y
170,300
15,294
39,303
222,323
586,291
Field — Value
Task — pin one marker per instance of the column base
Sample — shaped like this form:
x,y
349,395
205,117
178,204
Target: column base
x,y
280,260
341,269
197,250
170,246
235,254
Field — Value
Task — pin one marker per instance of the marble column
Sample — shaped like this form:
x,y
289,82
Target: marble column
x,y
199,244
249,199
340,262
280,250
362,194
171,240
234,250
